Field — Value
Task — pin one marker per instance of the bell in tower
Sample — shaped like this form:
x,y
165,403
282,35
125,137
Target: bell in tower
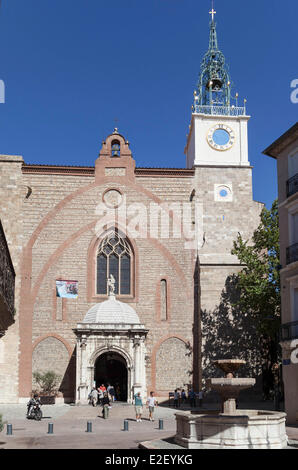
x,y
214,86
217,134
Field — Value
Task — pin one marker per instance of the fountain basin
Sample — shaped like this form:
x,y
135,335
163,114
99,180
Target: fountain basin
x,y
244,429
229,389
229,366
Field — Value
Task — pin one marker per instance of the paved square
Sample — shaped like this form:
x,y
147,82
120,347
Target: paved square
x,y
70,427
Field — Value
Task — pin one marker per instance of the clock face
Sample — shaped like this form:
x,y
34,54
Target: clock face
x,y
221,137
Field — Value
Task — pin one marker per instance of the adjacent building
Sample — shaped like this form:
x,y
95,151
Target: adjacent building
x,y
7,285
285,151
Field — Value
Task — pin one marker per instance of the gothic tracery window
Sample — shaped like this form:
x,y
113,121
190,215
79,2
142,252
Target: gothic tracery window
x,y
114,256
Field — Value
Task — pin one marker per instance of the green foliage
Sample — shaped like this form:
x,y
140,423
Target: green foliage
x,y
259,280
1,423
48,381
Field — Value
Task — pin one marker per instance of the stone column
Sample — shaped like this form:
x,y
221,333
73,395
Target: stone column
x,y
83,388
142,366
78,370
137,352
137,359
83,359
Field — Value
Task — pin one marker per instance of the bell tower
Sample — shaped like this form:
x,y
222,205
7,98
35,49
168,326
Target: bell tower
x,y
218,129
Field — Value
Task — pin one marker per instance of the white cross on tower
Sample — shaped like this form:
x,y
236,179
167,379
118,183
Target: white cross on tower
x,y
212,12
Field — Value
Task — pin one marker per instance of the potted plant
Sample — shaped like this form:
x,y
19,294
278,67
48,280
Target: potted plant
x,y
47,382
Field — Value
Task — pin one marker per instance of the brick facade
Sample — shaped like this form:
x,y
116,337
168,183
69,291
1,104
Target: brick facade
x,y
50,218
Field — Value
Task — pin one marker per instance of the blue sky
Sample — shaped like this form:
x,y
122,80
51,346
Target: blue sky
x,y
73,67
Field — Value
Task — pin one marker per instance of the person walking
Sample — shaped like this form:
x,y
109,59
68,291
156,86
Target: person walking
x,y
192,398
176,399
151,403
138,407
112,393
100,396
105,405
94,396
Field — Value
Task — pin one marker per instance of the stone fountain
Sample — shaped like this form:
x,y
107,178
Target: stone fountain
x,y
229,387
231,428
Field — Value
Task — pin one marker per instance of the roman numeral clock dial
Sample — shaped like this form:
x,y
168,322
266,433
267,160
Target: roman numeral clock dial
x,y
221,137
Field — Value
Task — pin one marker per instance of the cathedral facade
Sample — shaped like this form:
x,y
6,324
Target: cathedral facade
x,y
163,237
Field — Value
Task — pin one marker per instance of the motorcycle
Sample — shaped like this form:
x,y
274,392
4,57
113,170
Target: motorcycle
x,y
35,412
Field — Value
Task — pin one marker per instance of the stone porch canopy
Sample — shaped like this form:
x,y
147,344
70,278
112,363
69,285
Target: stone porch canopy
x,y
110,326
112,311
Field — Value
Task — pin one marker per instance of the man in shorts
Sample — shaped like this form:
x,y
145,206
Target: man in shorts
x,y
138,407
151,403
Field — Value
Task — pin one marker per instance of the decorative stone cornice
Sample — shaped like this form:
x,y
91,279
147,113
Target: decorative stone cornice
x,y
89,171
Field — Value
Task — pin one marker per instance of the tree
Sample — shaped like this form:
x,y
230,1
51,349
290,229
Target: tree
x,y
47,381
259,282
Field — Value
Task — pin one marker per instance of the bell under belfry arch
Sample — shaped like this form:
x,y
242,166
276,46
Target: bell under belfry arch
x,y
111,332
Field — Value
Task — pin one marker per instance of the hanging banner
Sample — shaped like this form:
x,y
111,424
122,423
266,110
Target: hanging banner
x,y
67,289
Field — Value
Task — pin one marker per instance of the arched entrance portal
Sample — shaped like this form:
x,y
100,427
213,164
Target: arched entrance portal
x,y
111,368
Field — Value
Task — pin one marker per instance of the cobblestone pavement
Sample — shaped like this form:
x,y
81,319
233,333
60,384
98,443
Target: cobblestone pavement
x,y
70,428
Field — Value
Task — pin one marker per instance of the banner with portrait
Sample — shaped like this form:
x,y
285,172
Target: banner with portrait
x,y
67,289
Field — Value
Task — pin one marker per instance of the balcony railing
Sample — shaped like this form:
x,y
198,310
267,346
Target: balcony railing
x,y
292,185
292,253
221,110
289,331
7,279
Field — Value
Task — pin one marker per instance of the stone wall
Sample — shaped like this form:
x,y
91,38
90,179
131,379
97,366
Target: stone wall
x,y
59,240
12,193
173,365
50,354
226,331
63,247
